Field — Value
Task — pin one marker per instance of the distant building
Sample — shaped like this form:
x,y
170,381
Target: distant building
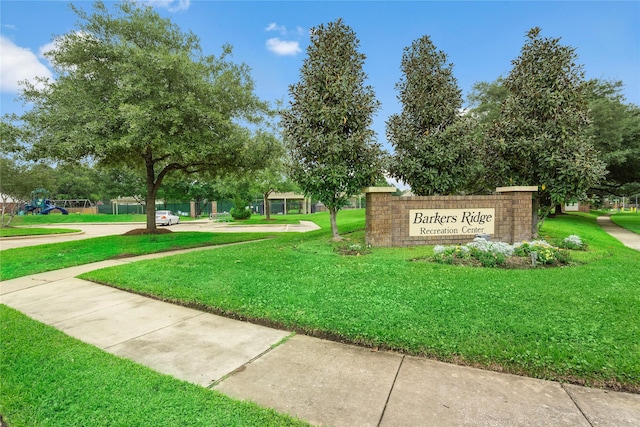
x,y
577,207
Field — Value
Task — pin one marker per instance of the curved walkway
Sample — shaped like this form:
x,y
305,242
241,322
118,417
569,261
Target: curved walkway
x,y
626,237
320,381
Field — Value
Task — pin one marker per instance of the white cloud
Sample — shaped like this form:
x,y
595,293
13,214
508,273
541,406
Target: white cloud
x,y
170,5
46,48
283,47
18,63
275,27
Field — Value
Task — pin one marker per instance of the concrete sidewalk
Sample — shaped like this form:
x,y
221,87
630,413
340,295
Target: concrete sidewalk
x,y
626,237
320,381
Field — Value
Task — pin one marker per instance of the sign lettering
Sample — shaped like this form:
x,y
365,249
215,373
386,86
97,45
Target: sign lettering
x,y
439,222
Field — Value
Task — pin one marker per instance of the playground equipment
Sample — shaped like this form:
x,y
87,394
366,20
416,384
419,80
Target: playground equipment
x,y
83,206
42,204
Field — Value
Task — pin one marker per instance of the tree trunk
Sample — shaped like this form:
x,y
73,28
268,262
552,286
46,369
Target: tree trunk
x,y
541,208
267,205
152,191
4,203
13,212
535,205
151,212
558,209
333,212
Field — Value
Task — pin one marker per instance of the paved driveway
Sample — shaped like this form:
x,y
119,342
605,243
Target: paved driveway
x,y
87,231
96,230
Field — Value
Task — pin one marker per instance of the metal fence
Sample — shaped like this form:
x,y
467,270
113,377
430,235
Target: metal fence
x,y
179,208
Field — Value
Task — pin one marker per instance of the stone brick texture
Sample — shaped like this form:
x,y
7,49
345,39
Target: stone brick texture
x,y
387,217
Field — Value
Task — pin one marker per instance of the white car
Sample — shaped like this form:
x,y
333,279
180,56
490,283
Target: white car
x,y
166,218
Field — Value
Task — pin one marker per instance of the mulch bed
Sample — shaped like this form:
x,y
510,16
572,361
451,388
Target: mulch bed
x,y
142,231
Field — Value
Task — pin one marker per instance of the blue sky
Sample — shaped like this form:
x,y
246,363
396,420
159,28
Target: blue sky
x,y
480,38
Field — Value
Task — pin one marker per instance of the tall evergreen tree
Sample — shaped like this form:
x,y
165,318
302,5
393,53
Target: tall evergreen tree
x,y
541,136
327,125
435,152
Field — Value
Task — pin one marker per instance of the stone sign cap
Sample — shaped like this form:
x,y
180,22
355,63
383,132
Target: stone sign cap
x,y
381,190
523,188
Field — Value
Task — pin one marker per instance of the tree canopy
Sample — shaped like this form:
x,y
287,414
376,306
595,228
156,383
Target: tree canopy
x,y
327,125
541,135
272,178
17,181
435,149
486,99
615,131
133,91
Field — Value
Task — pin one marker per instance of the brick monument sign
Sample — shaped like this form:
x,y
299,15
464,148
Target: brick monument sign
x,y
431,220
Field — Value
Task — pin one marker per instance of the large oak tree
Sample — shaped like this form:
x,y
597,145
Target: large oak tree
x,y
615,129
135,92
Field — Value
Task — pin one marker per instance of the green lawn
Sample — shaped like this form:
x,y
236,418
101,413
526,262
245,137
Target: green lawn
x,y
630,221
33,231
57,218
27,220
51,379
576,324
275,219
37,259
31,260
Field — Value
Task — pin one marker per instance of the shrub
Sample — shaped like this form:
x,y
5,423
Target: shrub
x,y
573,242
543,252
240,210
240,213
451,254
483,245
496,254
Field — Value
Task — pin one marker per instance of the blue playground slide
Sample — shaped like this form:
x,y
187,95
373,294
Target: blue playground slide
x,y
45,207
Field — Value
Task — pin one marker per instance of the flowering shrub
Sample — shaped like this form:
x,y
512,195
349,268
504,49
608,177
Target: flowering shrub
x,y
494,247
573,242
493,254
541,252
488,258
525,248
449,254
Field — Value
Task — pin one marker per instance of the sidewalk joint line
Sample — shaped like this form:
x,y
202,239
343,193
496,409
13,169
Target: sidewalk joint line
x,y
244,365
576,404
384,409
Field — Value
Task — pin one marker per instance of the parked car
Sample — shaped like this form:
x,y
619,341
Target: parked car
x,y
166,218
